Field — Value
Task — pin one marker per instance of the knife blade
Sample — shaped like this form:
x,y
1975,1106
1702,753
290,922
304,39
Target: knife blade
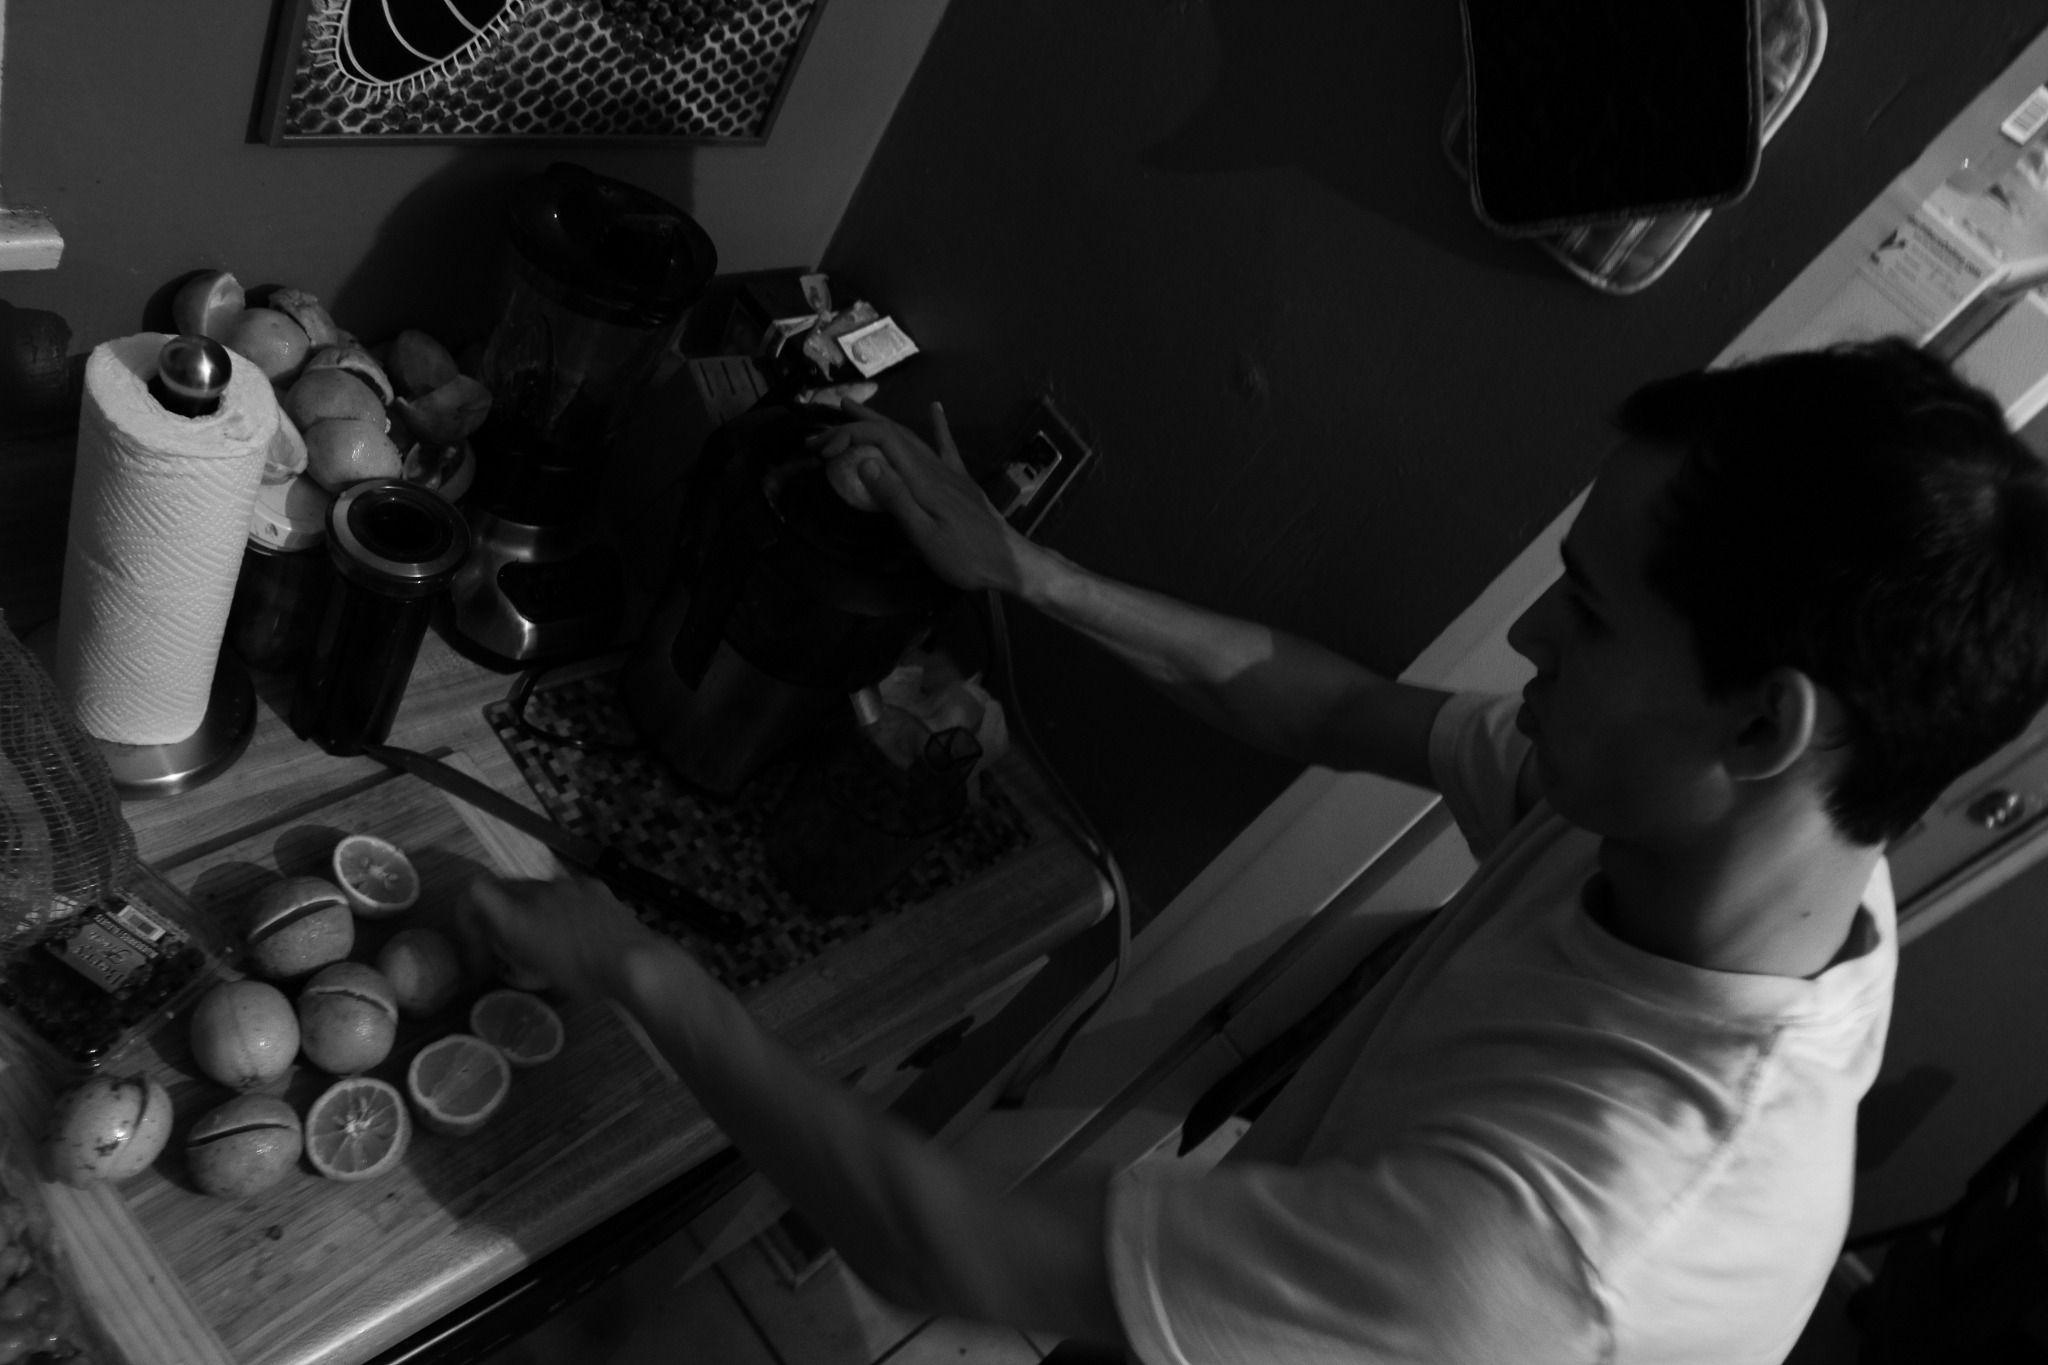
x,y
613,868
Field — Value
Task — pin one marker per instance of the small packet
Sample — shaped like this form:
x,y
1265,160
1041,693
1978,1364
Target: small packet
x,y
821,344
877,346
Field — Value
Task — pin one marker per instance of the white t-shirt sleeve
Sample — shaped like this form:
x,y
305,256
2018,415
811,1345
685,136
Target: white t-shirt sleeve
x,y
1426,1255
1475,757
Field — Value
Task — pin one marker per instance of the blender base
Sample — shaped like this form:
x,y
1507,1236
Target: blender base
x,y
139,770
537,592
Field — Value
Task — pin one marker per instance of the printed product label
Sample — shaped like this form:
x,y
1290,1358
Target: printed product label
x,y
115,945
2027,120
1927,271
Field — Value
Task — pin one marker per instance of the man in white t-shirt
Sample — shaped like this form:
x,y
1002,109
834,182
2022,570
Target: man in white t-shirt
x,y
1603,1109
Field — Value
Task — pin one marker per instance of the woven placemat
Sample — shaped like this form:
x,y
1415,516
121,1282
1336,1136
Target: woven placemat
x,y
631,800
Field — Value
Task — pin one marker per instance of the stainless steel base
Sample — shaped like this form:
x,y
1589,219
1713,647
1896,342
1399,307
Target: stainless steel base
x,y
206,753
584,621
145,770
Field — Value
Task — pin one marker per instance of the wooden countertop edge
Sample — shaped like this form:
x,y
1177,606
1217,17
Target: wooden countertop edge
x,y
339,1337
153,1319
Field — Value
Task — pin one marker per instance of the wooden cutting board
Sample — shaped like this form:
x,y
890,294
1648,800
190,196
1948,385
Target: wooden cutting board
x,y
316,1270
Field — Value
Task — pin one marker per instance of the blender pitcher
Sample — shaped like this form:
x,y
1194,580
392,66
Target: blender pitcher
x,y
598,277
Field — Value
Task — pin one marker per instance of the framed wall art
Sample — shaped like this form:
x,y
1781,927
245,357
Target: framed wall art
x,y
532,70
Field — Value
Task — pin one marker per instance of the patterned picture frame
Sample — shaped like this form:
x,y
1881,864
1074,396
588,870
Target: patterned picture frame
x,y
365,71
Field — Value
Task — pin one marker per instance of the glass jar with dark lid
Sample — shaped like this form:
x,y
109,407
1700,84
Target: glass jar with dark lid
x,y
284,574
393,548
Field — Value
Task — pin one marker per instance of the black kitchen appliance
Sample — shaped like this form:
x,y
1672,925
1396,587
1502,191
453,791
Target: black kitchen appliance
x,y
597,279
786,599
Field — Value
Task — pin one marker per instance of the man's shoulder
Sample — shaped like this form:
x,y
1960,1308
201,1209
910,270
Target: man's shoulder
x,y
1623,1091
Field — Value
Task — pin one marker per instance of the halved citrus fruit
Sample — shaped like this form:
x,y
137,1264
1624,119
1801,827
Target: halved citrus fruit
x,y
357,1129
457,1083
519,1024
376,876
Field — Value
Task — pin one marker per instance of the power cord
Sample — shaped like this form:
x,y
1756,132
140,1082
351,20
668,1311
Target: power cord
x,y
522,693
1093,845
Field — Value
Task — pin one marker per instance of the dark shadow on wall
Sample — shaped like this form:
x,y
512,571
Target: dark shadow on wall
x,y
1354,95
434,261
1894,1110
437,259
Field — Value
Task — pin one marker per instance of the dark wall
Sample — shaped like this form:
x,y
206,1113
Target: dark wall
x,y
1227,237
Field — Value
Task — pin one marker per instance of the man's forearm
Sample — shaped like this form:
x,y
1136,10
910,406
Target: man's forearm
x,y
914,1221
1275,691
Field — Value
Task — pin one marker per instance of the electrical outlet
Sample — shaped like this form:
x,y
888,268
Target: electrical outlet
x,y
1045,463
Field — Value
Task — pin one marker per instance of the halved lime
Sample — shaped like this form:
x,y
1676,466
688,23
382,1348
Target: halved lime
x,y
519,1024
375,875
357,1129
457,1083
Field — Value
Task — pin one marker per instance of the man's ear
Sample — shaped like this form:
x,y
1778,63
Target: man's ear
x,y
1786,715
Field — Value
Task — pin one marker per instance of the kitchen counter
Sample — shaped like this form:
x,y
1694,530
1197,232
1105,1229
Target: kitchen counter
x,y
315,1272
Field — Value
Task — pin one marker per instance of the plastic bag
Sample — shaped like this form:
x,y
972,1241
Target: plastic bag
x,y
64,845
42,1318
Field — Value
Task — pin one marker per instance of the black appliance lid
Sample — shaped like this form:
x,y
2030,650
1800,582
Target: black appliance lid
x,y
607,249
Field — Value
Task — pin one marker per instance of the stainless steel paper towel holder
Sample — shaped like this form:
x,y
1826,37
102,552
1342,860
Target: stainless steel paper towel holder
x,y
143,770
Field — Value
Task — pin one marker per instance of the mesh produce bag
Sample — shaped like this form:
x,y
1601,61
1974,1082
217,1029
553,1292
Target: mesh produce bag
x,y
64,845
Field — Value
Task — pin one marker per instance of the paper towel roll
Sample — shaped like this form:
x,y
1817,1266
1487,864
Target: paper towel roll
x,y
159,514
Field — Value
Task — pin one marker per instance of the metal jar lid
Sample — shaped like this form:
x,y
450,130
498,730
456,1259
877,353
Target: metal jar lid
x,y
396,538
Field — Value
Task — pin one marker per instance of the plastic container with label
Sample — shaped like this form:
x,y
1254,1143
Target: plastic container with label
x,y
94,982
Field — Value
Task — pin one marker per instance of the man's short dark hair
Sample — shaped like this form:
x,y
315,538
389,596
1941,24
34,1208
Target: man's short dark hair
x,y
1863,515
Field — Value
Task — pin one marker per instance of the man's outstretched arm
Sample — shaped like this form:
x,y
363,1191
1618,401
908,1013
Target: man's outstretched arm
x,y
920,1226
1273,690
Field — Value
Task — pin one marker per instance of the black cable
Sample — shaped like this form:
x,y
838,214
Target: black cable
x,y
522,693
1093,845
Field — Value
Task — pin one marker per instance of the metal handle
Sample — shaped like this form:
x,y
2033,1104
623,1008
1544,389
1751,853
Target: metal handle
x,y
1996,809
191,375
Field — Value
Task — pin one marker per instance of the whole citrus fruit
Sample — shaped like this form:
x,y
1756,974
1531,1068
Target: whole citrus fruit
x,y
348,1018
109,1128
351,356
345,450
311,315
417,363
424,969
322,395
277,345
244,1146
297,926
244,1034
206,304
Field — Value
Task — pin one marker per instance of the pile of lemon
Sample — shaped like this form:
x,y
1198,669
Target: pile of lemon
x,y
248,1035
349,412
